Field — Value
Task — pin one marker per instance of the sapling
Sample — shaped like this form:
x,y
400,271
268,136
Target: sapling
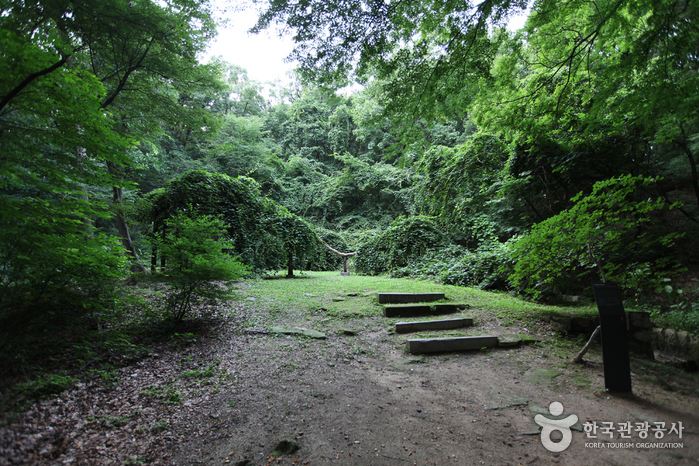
x,y
196,258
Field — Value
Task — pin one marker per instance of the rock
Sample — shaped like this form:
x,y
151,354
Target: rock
x,y
314,334
286,331
285,447
509,339
506,400
528,340
541,375
299,331
644,335
639,319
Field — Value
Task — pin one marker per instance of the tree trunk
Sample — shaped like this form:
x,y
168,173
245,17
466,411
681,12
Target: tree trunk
x,y
290,266
122,226
692,163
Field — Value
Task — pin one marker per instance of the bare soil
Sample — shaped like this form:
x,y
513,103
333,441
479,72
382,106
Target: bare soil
x,y
355,398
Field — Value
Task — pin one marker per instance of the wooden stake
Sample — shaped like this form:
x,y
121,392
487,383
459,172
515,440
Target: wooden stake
x,y
579,358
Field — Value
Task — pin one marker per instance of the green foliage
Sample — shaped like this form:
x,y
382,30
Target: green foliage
x,y
407,238
43,387
296,238
602,231
46,278
165,393
324,258
195,251
682,309
487,267
262,233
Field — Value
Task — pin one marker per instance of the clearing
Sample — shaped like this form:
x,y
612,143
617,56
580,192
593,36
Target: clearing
x,y
228,390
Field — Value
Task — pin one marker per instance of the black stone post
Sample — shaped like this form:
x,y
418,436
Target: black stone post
x,y
615,345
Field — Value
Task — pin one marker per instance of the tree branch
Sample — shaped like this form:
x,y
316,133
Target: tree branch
x,y
32,77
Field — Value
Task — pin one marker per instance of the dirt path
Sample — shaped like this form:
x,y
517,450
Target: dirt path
x,y
230,395
387,408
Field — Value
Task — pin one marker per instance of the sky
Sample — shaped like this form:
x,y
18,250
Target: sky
x,y
262,55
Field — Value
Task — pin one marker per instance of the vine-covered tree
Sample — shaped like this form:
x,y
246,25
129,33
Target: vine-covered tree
x,y
265,235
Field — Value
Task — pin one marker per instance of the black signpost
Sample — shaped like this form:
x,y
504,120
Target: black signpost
x,y
615,345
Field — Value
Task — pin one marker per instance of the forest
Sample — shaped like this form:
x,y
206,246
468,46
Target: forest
x,y
531,162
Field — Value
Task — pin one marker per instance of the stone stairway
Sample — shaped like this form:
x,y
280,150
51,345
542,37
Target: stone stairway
x,y
396,307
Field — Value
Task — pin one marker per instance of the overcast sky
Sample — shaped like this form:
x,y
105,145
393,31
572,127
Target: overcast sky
x,y
262,55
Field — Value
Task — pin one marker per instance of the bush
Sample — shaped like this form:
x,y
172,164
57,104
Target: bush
x,y
599,234
263,233
52,278
406,239
487,268
196,254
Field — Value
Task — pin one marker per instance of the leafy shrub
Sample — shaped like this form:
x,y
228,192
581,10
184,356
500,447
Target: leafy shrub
x,y
46,276
599,233
297,239
262,233
43,387
196,256
405,240
679,317
487,267
681,311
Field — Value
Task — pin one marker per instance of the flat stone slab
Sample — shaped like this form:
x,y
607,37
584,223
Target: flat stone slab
x,y
408,327
299,331
509,339
541,375
506,400
395,298
420,310
407,310
440,345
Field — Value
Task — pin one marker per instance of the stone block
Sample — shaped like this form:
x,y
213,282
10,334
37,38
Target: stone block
x,y
396,298
509,339
407,311
408,327
447,308
683,339
645,336
639,320
440,345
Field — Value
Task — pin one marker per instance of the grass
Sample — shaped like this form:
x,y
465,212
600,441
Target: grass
x,y
325,299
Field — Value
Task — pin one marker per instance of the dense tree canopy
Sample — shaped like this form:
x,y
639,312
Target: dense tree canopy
x,y
482,141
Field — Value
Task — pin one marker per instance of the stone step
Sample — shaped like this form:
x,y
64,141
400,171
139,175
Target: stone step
x,y
408,327
395,298
440,345
420,310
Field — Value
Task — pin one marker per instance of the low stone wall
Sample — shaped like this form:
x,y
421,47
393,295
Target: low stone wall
x,y
678,343
643,337
640,334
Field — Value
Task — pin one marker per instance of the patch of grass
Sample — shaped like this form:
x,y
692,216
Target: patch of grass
x,y
327,294
165,393
110,421
43,387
